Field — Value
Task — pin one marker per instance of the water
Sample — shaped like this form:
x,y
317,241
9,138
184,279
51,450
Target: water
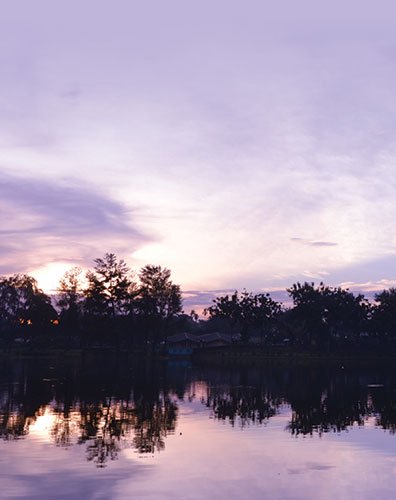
x,y
103,426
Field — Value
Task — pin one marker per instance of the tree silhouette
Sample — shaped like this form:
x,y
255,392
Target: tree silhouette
x,y
384,314
158,300
226,308
346,313
309,310
246,312
115,309
23,305
70,296
326,313
109,285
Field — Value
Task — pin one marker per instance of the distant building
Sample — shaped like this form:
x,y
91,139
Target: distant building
x,y
215,339
183,344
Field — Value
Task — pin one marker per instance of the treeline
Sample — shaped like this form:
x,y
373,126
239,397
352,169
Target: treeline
x,y
322,317
112,306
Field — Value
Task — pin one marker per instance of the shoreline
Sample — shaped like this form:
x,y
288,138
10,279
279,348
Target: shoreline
x,y
204,355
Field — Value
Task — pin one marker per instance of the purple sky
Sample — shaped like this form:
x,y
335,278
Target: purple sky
x,y
241,144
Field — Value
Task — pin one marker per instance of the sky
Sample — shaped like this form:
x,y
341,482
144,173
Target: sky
x,y
241,144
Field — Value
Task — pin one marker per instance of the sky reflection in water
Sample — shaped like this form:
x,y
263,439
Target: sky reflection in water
x,y
121,428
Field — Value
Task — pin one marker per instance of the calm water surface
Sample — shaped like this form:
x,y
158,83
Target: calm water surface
x,y
119,427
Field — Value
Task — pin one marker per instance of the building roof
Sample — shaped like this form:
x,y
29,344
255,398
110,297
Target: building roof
x,y
212,337
206,338
182,337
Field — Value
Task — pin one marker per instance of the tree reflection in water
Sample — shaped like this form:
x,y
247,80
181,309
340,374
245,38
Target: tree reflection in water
x,y
101,402
112,402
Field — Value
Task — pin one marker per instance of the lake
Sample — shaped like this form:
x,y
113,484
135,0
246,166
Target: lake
x,y
107,426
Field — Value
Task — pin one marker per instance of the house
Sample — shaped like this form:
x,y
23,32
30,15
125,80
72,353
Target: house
x,y
215,339
182,344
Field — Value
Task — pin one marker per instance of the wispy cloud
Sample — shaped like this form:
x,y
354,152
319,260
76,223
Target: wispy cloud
x,y
46,222
313,243
199,300
72,94
369,286
320,275
280,125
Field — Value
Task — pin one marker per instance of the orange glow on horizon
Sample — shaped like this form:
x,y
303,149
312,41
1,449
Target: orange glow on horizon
x,y
49,275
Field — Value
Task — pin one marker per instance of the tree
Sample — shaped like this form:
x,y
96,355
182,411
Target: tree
x,y
384,314
194,316
327,313
109,286
23,304
265,312
309,311
226,308
158,300
70,295
245,311
346,313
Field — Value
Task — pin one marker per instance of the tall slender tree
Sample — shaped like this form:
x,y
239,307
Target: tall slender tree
x,y
158,300
70,296
109,285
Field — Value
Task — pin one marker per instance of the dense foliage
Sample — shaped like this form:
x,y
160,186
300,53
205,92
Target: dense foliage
x,y
106,307
247,313
113,306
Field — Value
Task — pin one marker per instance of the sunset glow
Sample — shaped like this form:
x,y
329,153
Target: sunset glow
x,y
265,155
198,249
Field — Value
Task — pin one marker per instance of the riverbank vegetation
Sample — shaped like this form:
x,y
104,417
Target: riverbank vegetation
x,y
113,307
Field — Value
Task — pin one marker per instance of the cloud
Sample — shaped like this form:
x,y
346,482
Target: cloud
x,y
255,134
45,221
199,300
314,243
319,275
72,94
374,271
323,244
